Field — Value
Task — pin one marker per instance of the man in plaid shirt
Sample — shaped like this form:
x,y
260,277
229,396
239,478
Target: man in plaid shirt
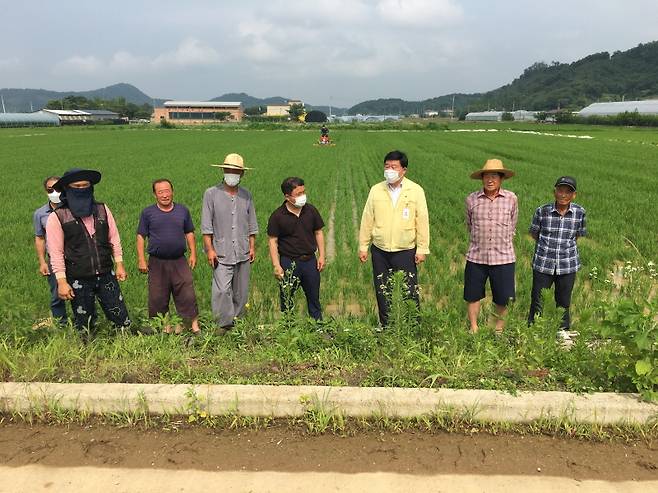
x,y
556,227
491,215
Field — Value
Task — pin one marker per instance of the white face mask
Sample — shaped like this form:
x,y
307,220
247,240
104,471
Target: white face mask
x,y
231,179
391,176
300,201
54,197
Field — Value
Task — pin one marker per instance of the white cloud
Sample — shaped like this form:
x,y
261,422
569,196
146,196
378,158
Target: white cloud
x,y
420,12
190,52
12,63
81,65
126,61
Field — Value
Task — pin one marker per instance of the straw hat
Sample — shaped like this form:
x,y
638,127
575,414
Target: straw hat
x,y
232,161
492,166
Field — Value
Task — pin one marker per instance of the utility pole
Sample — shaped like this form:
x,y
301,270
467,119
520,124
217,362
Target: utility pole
x,y
3,103
452,110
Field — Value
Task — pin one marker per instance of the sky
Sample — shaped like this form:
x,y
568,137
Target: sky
x,y
337,52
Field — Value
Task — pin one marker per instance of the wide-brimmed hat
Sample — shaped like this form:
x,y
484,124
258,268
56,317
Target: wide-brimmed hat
x,y
232,161
493,166
77,174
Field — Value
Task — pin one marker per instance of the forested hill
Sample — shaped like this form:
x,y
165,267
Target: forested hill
x,y
22,100
631,74
402,107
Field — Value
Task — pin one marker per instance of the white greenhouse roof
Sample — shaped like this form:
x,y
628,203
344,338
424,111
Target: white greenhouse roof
x,y
485,113
39,117
68,112
648,107
203,104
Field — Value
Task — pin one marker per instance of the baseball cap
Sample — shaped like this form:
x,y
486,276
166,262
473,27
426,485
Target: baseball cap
x,y
566,180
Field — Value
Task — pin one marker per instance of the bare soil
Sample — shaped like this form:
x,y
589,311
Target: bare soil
x,y
283,449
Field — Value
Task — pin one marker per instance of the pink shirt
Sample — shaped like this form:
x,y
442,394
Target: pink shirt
x,y
55,240
491,224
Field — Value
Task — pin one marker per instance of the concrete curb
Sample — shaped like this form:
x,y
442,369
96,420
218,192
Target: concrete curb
x,y
291,401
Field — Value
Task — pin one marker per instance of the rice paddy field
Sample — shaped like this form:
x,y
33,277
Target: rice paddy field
x,y
617,173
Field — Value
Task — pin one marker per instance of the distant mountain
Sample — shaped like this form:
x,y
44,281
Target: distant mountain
x,y
251,102
24,100
402,107
631,74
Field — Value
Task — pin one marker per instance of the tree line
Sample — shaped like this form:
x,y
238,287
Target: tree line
x,y
117,105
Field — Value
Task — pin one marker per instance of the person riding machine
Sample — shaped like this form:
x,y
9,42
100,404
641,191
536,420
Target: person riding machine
x,y
324,135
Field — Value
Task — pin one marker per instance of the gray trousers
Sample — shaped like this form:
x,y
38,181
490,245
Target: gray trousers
x,y
230,292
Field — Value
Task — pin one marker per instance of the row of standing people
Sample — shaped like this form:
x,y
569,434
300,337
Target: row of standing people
x,y
79,247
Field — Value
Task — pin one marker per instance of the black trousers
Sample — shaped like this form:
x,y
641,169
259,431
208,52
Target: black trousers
x,y
105,288
307,274
563,288
384,264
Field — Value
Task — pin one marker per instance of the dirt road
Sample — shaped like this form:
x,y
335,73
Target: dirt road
x,y
98,458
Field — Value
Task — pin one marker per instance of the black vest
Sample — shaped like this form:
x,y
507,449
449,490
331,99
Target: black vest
x,y
85,255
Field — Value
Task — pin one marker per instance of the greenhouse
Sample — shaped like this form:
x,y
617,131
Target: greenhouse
x,y
484,116
37,119
648,107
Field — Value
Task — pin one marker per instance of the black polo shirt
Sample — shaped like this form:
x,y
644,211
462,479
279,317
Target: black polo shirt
x,y
296,235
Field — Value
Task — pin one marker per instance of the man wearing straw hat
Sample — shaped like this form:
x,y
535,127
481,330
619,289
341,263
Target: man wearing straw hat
x,y
229,228
491,215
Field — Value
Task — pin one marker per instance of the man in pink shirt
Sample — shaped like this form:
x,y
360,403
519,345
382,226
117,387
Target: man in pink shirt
x,y
491,215
85,253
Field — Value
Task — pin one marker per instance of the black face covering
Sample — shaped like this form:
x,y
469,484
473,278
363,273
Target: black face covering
x,y
80,201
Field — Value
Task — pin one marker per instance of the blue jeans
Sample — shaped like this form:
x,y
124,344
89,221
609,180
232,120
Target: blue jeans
x,y
57,305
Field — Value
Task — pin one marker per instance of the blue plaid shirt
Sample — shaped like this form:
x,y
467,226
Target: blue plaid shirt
x,y
556,251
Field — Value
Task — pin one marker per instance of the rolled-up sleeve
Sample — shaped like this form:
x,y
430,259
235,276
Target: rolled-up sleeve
x,y
582,231
206,213
253,222
535,225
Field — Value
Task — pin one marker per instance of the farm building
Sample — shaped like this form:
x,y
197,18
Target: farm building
x,y
281,109
80,117
103,115
198,112
648,107
484,116
36,119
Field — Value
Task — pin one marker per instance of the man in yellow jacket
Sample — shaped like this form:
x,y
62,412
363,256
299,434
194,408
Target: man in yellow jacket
x,y
395,225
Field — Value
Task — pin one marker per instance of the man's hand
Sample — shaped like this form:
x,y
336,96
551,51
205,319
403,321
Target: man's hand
x,y
121,272
321,263
420,258
43,269
64,290
191,261
363,256
278,272
252,255
143,266
212,257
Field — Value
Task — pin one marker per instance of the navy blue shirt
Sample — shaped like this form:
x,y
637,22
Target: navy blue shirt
x,y
165,230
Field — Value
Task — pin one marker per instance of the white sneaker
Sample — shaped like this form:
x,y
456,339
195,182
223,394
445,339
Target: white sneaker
x,y
564,338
